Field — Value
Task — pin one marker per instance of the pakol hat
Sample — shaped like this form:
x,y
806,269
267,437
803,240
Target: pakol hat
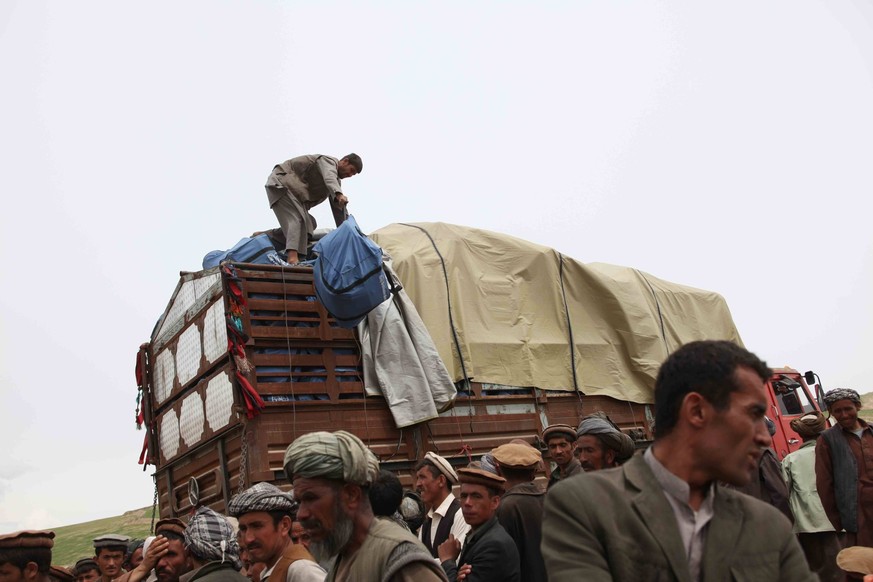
x,y
84,565
27,539
856,559
173,524
563,430
111,541
61,573
517,456
444,466
471,476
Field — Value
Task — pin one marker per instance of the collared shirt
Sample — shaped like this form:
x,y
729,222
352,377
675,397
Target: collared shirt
x,y
459,527
693,525
798,470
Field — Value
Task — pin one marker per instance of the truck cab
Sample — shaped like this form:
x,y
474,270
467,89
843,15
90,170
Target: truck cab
x,y
791,395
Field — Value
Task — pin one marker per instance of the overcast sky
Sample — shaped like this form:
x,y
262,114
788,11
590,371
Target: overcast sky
x,y
725,146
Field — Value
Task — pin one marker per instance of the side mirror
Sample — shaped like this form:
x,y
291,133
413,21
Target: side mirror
x,y
809,377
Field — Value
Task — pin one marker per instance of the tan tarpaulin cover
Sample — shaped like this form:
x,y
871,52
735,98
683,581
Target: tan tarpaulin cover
x,y
510,315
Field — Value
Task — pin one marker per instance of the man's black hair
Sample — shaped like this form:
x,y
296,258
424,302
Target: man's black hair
x,y
355,160
385,494
19,557
518,474
706,367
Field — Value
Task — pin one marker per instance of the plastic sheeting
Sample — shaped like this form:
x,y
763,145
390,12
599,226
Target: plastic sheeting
x,y
504,310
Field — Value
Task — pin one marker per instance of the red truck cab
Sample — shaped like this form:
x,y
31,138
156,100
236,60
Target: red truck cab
x,y
791,395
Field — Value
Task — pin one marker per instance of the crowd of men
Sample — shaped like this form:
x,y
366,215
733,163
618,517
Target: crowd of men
x,y
698,504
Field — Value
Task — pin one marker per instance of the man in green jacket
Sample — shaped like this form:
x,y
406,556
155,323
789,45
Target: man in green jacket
x,y
212,549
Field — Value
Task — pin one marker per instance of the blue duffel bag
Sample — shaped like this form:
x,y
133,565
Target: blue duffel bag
x,y
249,250
349,280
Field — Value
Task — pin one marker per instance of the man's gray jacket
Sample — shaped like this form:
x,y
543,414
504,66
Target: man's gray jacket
x,y
617,524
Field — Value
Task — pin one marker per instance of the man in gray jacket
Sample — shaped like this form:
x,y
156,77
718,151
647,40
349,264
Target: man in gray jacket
x,y
298,184
662,515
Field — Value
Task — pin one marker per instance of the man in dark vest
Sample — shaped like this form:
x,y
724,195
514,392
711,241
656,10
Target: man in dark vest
x,y
264,515
521,507
844,469
434,477
490,554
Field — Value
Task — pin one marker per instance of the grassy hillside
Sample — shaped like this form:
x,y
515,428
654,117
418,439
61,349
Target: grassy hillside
x,y
73,542
867,407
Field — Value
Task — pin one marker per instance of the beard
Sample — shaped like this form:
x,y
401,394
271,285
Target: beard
x,y
334,540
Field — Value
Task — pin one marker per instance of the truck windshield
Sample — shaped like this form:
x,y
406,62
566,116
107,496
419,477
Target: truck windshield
x,y
791,396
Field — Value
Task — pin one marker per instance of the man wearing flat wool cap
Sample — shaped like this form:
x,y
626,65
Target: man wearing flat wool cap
x,y
561,441
26,556
521,507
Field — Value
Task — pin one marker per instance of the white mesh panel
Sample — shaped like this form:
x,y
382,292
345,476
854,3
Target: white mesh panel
x,y
191,419
215,332
184,299
165,372
169,435
219,401
203,284
188,354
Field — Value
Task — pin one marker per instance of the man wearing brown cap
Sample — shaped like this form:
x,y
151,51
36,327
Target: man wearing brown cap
x,y
434,477
844,469
814,531
61,574
561,440
164,556
265,518
489,554
26,556
331,474
663,515
110,550
521,508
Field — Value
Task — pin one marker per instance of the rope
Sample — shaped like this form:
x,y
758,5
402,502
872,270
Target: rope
x,y
658,305
452,326
290,363
569,327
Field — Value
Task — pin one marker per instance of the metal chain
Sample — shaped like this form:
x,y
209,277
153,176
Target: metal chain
x,y
154,503
243,461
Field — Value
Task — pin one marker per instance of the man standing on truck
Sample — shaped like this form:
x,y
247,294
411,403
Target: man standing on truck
x,y
331,474
298,184
561,440
662,515
264,515
600,444
434,477
844,469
